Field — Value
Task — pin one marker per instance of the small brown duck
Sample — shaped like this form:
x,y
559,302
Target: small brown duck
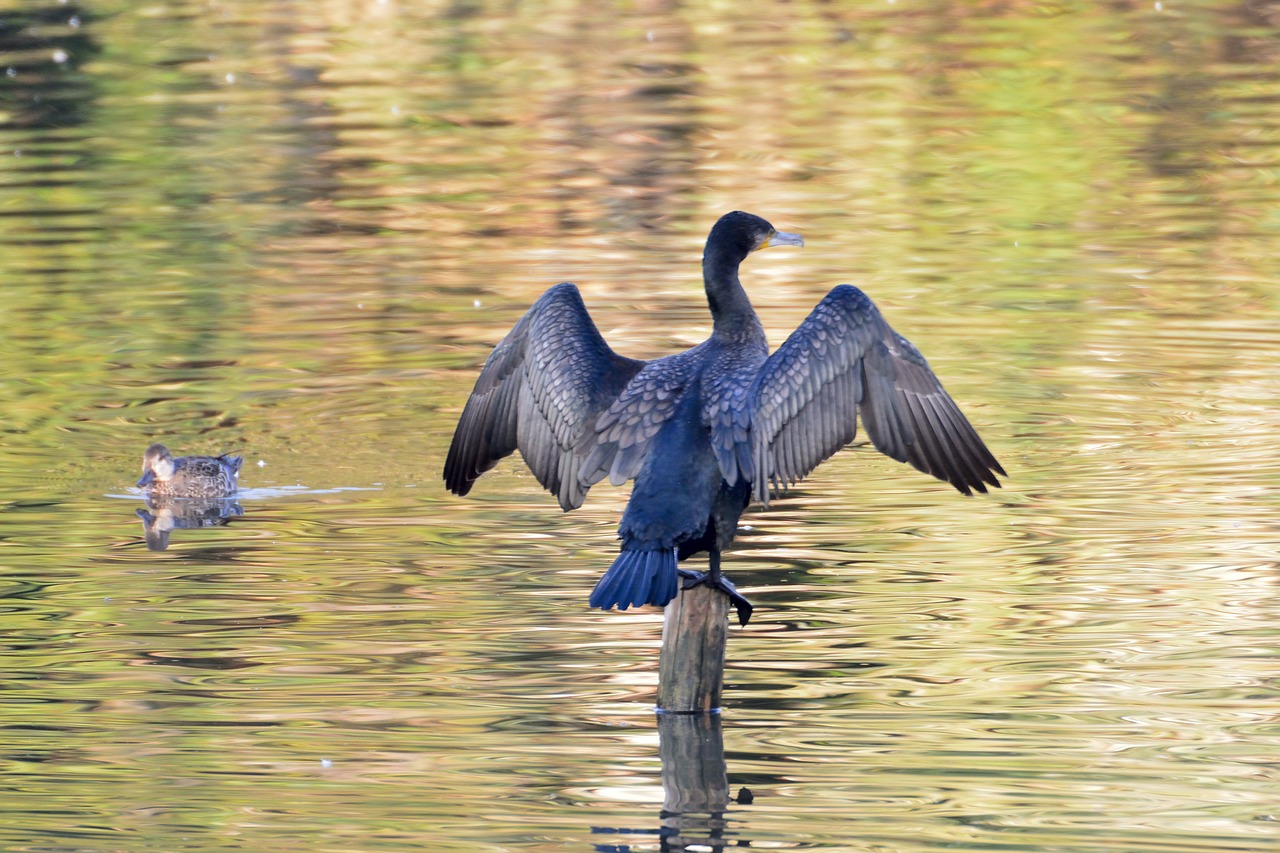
x,y
189,476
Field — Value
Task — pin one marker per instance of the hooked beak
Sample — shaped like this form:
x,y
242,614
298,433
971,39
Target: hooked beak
x,y
782,238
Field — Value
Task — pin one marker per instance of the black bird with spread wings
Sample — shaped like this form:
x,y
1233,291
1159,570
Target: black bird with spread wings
x,y
705,431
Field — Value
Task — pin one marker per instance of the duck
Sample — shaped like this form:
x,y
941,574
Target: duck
x,y
188,476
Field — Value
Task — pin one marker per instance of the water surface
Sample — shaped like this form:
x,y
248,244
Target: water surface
x,y
294,231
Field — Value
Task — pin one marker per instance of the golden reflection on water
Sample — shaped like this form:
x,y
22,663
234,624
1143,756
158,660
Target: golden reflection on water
x,y
296,232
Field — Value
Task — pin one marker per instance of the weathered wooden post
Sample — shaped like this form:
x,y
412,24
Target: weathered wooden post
x,y
695,628
695,780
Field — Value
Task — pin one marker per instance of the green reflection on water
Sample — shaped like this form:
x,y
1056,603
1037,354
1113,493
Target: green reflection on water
x,y
295,231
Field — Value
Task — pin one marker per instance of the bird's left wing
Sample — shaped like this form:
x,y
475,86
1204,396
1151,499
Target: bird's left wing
x,y
540,391
624,433
844,361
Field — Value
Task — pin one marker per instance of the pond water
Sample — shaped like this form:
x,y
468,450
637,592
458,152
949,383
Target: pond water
x,y
295,230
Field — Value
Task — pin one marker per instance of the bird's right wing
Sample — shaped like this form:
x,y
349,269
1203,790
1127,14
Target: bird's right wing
x,y
540,392
843,362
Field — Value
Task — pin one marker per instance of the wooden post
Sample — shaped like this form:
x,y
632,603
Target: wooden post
x,y
695,629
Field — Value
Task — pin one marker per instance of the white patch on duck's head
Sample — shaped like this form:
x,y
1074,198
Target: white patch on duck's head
x,y
157,464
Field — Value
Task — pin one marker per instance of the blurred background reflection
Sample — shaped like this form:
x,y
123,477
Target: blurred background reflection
x,y
294,231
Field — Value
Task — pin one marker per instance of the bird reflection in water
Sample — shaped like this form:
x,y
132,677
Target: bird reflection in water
x,y
164,515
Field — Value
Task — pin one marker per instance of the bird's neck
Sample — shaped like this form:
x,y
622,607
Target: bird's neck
x,y
730,308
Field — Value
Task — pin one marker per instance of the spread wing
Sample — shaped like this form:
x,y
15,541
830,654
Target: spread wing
x,y
727,411
540,392
625,431
844,361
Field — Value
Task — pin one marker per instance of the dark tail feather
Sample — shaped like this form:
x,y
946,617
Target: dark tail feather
x,y
636,578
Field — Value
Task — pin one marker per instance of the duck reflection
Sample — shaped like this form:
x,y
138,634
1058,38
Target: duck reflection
x,y
163,515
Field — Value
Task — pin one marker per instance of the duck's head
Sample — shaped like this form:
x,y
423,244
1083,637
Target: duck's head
x,y
157,464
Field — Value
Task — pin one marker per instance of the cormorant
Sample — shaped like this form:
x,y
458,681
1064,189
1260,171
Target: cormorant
x,y
704,431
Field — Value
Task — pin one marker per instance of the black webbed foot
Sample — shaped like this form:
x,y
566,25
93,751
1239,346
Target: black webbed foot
x,y
723,584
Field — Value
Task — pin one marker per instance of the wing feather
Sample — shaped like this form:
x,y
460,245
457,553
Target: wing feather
x,y
844,362
540,392
624,432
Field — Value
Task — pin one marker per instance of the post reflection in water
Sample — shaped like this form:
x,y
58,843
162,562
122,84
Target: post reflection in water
x,y
164,515
695,782
696,802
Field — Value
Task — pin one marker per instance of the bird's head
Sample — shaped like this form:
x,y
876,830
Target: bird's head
x,y
738,234
157,464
